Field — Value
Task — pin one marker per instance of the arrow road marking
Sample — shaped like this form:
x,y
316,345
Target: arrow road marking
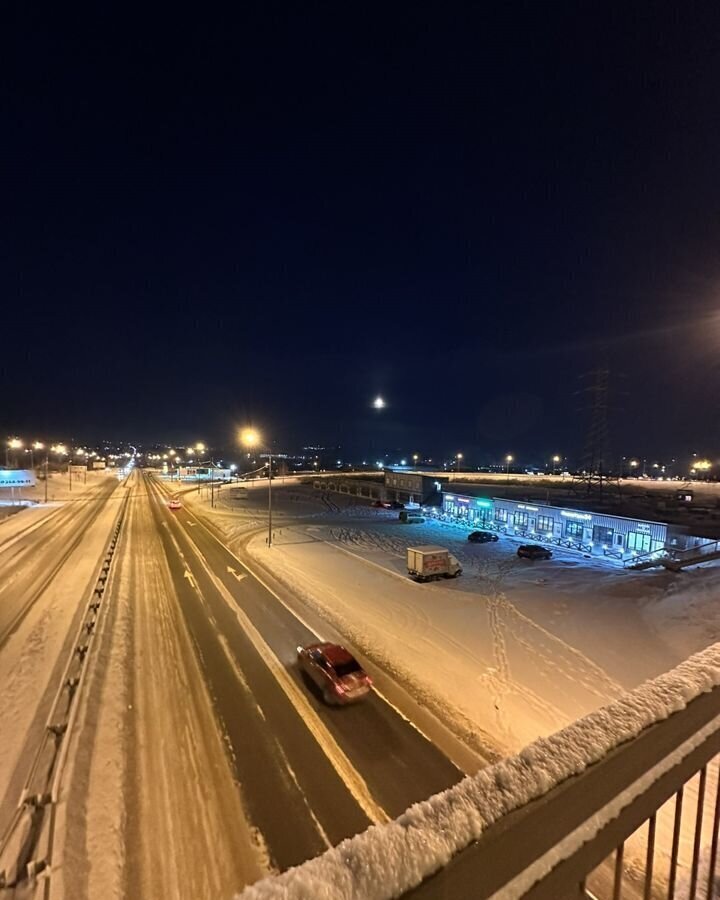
x,y
190,577
238,575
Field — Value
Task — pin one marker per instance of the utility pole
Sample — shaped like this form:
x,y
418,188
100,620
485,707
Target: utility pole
x,y
269,499
46,475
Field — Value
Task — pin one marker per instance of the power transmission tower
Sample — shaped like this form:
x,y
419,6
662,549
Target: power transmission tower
x,y
595,475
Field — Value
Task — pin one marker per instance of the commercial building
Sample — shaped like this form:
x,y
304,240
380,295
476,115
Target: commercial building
x,y
597,533
409,487
477,510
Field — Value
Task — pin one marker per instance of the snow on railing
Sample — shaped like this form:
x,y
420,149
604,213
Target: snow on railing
x,y
388,860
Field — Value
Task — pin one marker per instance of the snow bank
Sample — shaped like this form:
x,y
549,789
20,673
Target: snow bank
x,y
388,860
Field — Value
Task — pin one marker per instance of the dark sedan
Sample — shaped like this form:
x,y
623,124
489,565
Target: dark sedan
x,y
534,551
482,537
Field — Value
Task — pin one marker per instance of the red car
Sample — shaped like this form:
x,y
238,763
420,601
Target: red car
x,y
335,671
174,504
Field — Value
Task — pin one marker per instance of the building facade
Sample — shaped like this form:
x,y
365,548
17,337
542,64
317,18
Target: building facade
x,y
596,533
476,510
411,486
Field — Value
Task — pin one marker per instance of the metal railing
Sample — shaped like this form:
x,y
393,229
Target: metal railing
x,y
572,843
674,558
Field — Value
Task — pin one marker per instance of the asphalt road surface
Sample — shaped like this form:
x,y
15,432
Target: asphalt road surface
x,y
310,775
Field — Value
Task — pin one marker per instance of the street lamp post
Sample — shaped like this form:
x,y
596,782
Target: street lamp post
x,y
508,460
458,458
556,460
251,438
38,445
12,444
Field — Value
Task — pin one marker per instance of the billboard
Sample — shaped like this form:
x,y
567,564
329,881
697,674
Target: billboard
x,y
12,478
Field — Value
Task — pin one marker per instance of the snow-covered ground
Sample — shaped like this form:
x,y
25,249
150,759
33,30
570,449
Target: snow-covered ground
x,y
388,860
34,652
516,649
510,652
59,488
148,794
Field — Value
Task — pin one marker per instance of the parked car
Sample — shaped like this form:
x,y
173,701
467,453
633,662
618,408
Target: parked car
x,y
174,504
378,504
482,537
534,551
335,671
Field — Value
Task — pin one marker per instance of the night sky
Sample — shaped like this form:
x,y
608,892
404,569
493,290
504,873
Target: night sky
x,y
274,213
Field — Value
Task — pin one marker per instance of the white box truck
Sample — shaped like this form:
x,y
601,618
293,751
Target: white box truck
x,y
428,562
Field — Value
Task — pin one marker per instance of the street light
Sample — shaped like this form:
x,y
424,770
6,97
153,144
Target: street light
x,y
251,438
378,403
458,458
416,457
12,444
508,460
37,445
556,460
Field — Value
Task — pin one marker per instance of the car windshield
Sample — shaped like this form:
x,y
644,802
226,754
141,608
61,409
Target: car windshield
x,y
346,668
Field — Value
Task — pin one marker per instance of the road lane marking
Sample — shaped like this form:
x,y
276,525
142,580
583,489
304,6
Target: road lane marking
x,y
341,763
318,635
314,631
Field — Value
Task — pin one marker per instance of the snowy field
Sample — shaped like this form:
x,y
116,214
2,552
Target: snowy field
x,y
60,488
512,650
509,653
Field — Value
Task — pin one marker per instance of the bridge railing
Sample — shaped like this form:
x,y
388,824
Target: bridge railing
x,y
561,819
571,843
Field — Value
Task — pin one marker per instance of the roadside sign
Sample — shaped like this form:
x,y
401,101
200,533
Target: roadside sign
x,y
12,478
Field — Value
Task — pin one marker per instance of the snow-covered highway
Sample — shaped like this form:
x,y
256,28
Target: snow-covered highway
x,y
200,759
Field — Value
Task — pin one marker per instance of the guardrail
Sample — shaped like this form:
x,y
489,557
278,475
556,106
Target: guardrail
x,y
27,842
